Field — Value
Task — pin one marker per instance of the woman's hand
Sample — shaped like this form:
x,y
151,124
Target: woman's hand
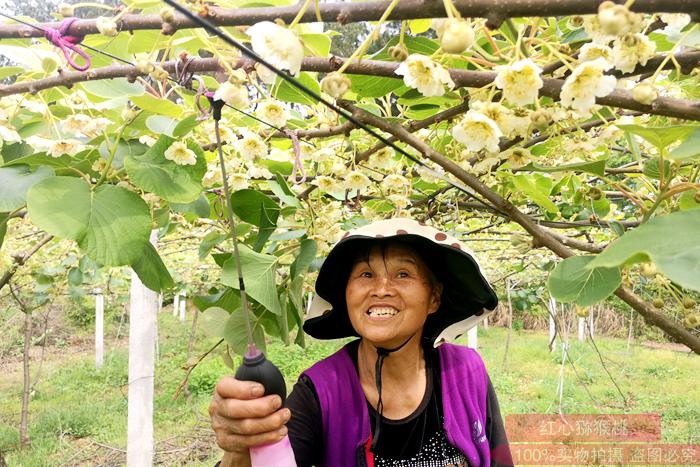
x,y
242,418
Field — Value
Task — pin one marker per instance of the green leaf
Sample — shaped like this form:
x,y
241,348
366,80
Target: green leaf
x,y
572,281
688,200
373,86
61,206
596,167
254,207
258,209
161,125
185,126
3,227
419,26
419,45
281,190
110,224
124,148
288,93
199,207
688,149
320,44
75,277
7,71
236,335
214,321
157,105
209,241
15,181
151,270
258,274
152,172
117,87
307,253
661,137
670,241
651,168
524,184
600,207
27,58
226,298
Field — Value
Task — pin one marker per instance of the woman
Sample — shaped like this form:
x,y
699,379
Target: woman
x,y
389,398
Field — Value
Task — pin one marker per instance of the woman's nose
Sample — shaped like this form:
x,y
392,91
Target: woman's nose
x,y
382,286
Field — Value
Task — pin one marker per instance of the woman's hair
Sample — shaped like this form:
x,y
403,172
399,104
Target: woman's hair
x,y
362,254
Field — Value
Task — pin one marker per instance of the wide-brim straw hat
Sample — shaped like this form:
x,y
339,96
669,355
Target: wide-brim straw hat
x,y
467,296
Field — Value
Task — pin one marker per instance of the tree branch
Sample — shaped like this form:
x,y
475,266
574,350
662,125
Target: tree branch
x,y
540,235
20,259
416,125
496,11
686,60
670,107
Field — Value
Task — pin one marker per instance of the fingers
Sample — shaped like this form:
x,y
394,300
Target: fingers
x,y
230,387
255,408
236,442
254,426
241,418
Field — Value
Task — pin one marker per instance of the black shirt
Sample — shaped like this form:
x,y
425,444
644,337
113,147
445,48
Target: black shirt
x,y
417,440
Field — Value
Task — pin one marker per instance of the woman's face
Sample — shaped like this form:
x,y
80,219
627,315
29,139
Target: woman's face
x,y
390,294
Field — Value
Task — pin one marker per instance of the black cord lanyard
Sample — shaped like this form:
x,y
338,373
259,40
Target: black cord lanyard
x,y
382,354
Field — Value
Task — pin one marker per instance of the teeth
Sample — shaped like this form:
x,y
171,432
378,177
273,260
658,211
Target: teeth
x,y
382,311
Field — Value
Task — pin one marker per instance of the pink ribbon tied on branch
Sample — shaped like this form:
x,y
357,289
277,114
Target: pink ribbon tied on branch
x,y
68,43
298,163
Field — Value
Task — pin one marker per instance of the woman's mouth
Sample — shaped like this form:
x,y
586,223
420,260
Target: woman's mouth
x,y
382,312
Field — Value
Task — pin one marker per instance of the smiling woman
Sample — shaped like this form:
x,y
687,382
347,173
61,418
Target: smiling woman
x,y
390,398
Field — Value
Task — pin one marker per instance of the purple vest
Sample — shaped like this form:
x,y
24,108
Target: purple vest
x,y
346,422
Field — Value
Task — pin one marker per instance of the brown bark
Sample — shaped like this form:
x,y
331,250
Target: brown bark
x,y
24,417
496,11
541,236
670,107
190,346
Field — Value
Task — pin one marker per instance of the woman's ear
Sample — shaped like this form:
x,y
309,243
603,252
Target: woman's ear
x,y
435,298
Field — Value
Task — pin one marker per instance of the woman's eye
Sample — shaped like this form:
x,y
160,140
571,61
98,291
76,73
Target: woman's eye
x,y
365,274
403,274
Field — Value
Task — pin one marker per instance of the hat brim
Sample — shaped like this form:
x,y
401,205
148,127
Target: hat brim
x,y
466,292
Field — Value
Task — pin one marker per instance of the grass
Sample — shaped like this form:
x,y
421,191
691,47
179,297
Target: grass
x,y
79,413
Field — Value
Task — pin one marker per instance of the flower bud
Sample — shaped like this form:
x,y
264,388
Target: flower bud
x,y
576,21
692,321
541,118
612,18
106,26
648,269
644,93
582,312
335,85
143,64
65,10
457,36
129,113
595,194
630,40
158,73
167,14
688,303
658,303
398,52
